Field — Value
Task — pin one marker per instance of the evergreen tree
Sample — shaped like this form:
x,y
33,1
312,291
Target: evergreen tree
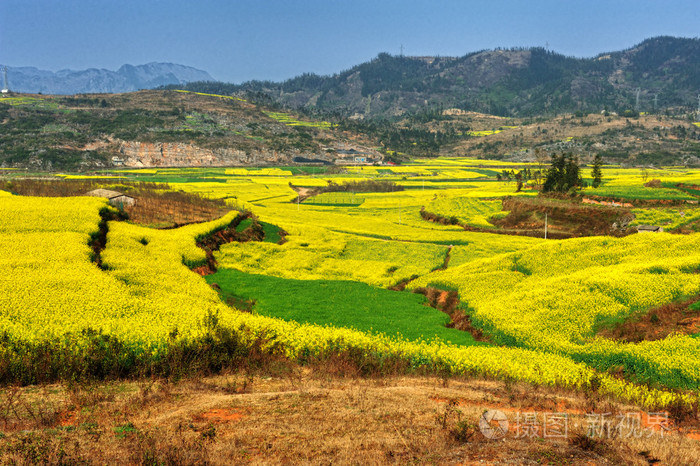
x,y
572,177
563,175
555,174
597,172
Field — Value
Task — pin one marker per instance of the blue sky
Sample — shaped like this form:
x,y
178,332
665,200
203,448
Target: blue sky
x,y
269,39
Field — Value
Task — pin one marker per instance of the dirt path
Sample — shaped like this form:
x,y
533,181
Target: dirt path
x,y
304,193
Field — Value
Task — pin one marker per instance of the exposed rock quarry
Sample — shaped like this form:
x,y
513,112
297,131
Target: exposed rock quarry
x,y
164,154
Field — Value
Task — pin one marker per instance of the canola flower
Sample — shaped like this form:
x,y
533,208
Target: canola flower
x,y
315,254
472,211
526,293
289,120
49,285
26,101
301,341
551,297
211,95
483,133
668,218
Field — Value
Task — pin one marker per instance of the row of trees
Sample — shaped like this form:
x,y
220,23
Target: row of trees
x,y
563,176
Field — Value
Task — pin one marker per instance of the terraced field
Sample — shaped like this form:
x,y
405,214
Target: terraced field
x,y
319,284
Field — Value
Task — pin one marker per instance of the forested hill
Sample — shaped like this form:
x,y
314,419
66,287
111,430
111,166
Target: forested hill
x,y
513,82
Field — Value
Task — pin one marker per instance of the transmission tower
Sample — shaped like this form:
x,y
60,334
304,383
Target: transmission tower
x,y
656,101
698,105
6,87
636,103
401,50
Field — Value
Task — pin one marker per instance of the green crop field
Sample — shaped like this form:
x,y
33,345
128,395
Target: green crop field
x,y
342,304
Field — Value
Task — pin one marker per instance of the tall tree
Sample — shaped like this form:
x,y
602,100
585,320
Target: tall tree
x,y
597,171
555,174
541,159
572,177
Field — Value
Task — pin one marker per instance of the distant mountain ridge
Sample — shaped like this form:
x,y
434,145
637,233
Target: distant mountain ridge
x,y
507,82
128,78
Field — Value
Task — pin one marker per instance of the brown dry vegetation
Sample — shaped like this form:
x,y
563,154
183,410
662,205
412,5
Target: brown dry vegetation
x,y
116,124
592,133
174,208
364,186
320,414
566,218
213,241
157,205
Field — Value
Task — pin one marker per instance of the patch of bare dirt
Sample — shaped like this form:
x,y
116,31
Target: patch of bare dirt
x,y
657,323
448,302
220,415
564,218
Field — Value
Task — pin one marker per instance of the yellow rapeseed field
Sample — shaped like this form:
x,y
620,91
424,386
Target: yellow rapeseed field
x,y
540,300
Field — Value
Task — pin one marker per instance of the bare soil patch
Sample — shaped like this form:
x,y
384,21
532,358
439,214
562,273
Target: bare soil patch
x,y
565,218
657,323
448,302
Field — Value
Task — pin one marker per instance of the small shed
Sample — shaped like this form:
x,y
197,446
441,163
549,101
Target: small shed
x,y
649,229
115,197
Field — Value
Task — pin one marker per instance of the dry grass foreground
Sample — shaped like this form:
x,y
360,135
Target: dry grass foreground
x,y
312,415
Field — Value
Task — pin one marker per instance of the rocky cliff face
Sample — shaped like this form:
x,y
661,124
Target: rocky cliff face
x,y
144,154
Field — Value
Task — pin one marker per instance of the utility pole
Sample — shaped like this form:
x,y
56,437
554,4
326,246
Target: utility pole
x,y
656,101
401,50
545,225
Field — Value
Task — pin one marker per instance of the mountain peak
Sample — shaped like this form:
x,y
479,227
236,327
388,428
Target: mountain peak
x,y
127,78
